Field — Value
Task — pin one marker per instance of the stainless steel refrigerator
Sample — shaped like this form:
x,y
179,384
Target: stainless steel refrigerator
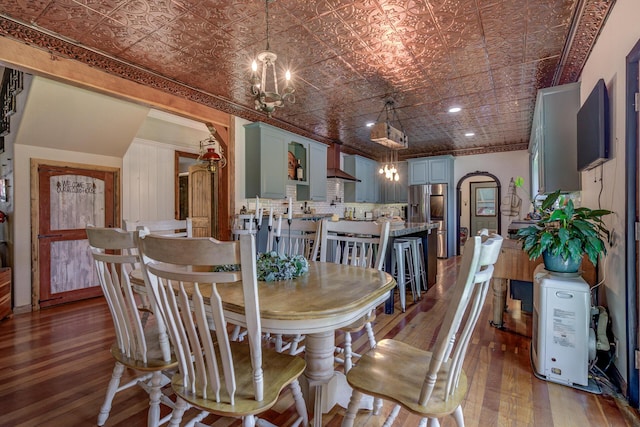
x,y
428,203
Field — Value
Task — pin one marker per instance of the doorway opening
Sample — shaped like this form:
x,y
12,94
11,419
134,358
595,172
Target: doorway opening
x,y
478,203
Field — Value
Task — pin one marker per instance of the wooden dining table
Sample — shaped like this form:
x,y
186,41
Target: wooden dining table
x,y
326,298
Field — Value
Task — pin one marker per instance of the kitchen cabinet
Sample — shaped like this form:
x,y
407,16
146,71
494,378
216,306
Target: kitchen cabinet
x,y
431,170
316,189
267,153
265,161
395,191
552,147
366,170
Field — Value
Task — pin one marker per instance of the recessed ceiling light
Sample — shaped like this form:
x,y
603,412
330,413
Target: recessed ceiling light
x,y
469,134
455,109
370,124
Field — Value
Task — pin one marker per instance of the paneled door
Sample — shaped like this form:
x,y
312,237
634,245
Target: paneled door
x,y
69,198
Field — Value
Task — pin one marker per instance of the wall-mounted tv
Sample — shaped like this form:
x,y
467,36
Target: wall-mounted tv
x,y
593,128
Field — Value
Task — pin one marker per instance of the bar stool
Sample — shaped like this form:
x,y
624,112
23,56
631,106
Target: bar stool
x,y
402,257
420,269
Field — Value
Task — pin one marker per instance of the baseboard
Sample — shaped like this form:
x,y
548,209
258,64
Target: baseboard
x,y
22,309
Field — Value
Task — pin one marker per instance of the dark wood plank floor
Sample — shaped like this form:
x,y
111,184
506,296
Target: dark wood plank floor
x,y
55,365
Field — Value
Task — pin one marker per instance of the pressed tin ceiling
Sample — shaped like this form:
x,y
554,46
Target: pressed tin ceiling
x,y
347,57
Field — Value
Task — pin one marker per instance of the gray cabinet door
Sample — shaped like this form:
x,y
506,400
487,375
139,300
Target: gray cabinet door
x,y
439,171
366,170
316,189
265,162
418,172
273,177
396,191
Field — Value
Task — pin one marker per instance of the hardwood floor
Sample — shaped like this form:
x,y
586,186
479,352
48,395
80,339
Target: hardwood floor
x,y
55,365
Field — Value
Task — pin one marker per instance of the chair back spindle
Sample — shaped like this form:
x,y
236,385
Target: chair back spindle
x,y
214,373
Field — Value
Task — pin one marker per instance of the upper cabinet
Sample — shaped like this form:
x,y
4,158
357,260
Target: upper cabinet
x,y
395,191
431,170
266,157
366,170
316,189
552,147
275,158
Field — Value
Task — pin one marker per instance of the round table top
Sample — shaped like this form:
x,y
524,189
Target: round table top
x,y
328,297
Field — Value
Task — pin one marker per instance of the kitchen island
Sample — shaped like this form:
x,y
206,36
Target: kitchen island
x,y
428,233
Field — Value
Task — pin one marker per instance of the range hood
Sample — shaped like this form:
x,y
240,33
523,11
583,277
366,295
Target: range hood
x,y
333,165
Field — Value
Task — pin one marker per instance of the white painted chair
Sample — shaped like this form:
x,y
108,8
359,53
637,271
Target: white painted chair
x,y
141,340
165,227
301,238
236,379
359,243
430,383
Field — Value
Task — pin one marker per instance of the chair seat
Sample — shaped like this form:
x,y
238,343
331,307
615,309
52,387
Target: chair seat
x,y
379,373
359,324
155,360
280,370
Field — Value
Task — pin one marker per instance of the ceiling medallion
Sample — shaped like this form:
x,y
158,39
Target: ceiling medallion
x,y
264,82
395,139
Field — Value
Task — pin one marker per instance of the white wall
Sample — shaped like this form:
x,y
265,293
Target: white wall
x,y
148,182
607,61
504,166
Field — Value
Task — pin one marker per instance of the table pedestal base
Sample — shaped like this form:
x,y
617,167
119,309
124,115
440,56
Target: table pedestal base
x,y
322,387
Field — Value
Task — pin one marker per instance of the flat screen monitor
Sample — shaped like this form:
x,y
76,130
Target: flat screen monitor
x,y
593,128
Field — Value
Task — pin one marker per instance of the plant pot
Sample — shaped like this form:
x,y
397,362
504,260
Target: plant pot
x,y
559,265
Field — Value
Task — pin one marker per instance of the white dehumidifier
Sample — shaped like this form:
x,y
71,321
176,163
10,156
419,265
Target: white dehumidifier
x,y
562,341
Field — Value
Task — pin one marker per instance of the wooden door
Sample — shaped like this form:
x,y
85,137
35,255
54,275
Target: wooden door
x,y
68,199
484,206
203,201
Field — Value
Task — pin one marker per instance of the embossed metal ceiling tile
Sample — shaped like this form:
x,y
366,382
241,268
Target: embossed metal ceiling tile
x,y
68,18
152,56
194,28
224,12
544,44
555,12
111,37
25,10
147,16
358,13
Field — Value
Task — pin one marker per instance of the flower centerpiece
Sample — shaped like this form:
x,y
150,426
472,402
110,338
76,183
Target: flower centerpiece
x,y
564,234
274,266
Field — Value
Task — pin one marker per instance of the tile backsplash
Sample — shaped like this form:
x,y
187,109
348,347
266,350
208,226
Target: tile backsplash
x,y
334,204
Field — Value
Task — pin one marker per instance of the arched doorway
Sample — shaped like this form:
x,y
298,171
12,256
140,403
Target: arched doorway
x,y
466,200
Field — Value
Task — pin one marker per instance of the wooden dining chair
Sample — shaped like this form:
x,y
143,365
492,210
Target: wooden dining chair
x,y
359,243
216,374
431,384
302,237
299,238
141,343
167,227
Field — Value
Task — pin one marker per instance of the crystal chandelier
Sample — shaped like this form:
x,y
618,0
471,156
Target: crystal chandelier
x,y
385,134
264,82
208,154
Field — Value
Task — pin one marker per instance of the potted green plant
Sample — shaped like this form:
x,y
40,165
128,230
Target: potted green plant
x,y
564,234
